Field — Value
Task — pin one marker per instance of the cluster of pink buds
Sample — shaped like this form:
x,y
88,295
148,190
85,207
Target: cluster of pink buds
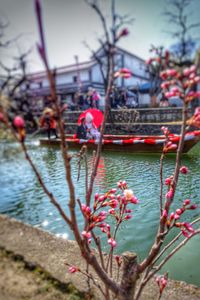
x,y
186,228
161,282
195,119
158,59
168,145
179,83
116,205
174,216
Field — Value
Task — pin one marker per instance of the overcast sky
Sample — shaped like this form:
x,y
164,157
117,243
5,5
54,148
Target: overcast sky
x,y
68,23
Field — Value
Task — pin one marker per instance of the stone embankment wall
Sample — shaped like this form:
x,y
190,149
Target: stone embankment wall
x,y
131,121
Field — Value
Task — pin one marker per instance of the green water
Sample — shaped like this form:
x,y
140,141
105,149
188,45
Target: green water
x,y
21,196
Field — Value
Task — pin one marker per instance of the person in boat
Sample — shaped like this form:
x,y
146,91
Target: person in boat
x,y
82,130
92,131
48,121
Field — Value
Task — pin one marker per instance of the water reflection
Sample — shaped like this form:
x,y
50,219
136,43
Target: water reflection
x,y
22,197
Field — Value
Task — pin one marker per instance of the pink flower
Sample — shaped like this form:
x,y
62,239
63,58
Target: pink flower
x,y
19,122
86,234
193,206
189,227
86,210
172,215
185,233
112,211
128,194
168,181
170,194
162,282
179,211
113,203
96,196
171,72
73,269
113,191
176,216
112,242
134,200
127,217
164,215
186,202
124,32
184,170
118,259
165,130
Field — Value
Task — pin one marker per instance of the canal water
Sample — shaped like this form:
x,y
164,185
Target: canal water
x,y
21,197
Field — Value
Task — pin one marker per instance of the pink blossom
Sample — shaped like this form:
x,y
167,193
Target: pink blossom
x,y
113,203
162,282
86,210
165,130
192,68
170,194
112,211
184,170
113,191
19,122
164,215
171,72
128,194
128,211
118,259
168,181
86,234
128,217
124,32
102,198
134,200
186,202
172,215
176,216
185,233
112,242
164,75
186,72
73,269
96,196
179,211
188,226
193,206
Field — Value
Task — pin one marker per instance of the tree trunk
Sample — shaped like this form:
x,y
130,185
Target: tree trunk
x,y
129,277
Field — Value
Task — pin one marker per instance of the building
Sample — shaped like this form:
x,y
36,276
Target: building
x,y
79,77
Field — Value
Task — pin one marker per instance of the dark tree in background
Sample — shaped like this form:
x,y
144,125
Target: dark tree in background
x,y
12,77
184,31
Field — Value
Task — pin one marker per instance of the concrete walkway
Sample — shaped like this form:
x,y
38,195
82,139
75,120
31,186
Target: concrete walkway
x,y
49,252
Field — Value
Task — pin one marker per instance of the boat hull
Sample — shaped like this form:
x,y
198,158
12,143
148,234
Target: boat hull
x,y
129,144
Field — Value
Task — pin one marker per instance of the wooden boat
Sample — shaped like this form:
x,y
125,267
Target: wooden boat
x,y
129,143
